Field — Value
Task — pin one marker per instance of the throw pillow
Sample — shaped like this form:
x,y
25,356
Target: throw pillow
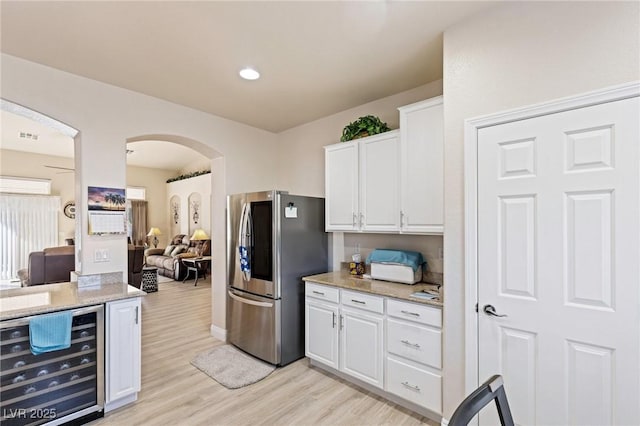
x,y
179,249
169,249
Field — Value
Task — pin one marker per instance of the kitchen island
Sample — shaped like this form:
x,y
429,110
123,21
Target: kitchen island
x,y
98,372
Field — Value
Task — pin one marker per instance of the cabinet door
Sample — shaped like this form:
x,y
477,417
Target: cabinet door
x,y
321,332
361,346
123,348
379,182
341,187
422,160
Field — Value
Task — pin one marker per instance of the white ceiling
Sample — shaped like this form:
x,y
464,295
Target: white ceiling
x,y
154,154
316,58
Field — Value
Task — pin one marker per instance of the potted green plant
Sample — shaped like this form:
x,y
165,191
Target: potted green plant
x,y
364,126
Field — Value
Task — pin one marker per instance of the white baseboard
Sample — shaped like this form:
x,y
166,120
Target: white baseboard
x,y
112,405
219,333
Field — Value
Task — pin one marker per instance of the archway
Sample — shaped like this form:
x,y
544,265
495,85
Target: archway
x,y
217,221
53,143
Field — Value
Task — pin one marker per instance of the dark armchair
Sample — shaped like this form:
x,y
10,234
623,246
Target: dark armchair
x,y
51,265
135,264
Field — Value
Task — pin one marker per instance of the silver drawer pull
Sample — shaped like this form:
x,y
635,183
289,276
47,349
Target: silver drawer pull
x,y
414,387
358,301
317,292
414,345
415,314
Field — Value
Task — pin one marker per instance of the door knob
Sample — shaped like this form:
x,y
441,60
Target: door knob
x,y
491,310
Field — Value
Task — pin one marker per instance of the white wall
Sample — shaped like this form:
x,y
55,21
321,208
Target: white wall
x,y
514,55
155,183
183,189
300,154
301,168
25,164
107,116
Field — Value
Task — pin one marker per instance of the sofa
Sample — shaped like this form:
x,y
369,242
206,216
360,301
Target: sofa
x,y
51,265
167,260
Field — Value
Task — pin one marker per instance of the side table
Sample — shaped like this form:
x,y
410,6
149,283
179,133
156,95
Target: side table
x,y
199,265
149,279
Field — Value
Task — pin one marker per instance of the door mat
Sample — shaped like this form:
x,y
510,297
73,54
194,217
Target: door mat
x,y
231,367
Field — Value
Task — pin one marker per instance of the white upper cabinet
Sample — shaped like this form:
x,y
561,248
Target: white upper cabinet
x,y
361,184
391,182
341,187
422,167
379,180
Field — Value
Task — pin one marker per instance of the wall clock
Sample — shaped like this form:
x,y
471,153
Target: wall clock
x,y
70,210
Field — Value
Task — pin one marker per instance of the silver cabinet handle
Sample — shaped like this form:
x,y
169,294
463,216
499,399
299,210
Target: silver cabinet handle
x,y
414,387
401,218
361,219
491,311
355,219
358,301
333,314
415,314
341,322
317,292
136,314
408,343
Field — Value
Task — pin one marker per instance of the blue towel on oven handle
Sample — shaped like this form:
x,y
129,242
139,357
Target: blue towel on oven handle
x,y
50,332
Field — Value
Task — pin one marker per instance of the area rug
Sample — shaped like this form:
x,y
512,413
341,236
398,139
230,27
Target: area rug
x,y
231,367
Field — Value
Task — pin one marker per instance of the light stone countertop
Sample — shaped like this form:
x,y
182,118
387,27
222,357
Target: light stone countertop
x,y
40,299
396,290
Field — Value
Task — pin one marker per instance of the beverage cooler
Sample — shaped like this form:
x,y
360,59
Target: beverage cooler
x,y
53,387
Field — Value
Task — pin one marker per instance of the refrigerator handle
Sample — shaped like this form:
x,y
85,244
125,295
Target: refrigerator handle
x,y
244,242
248,301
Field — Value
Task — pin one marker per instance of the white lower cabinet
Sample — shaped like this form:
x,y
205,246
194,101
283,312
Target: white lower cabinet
x,y
392,345
123,352
321,322
342,337
361,346
414,353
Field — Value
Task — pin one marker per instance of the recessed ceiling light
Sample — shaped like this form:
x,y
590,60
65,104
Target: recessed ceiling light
x,y
249,74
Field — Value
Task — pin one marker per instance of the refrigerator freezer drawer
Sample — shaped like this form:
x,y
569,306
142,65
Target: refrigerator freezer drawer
x,y
253,323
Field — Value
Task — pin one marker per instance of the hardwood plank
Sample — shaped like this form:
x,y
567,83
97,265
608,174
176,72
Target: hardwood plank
x,y
175,328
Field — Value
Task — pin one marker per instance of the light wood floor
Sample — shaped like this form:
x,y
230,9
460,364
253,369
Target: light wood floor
x,y
175,328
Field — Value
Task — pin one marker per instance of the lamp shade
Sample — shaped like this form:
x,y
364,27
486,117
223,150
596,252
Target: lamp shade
x,y
199,235
153,232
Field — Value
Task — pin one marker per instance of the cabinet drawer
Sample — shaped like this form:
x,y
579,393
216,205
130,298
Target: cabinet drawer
x,y
322,292
415,342
423,314
364,301
414,384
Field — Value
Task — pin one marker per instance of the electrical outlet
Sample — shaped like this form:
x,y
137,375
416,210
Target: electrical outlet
x,y
101,255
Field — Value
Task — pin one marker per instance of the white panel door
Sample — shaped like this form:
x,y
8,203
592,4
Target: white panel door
x,y
379,183
361,346
558,254
321,332
341,187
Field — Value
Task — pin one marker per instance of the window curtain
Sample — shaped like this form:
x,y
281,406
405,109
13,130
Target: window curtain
x,y
139,222
27,223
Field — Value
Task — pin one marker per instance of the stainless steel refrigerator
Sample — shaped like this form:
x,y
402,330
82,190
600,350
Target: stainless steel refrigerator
x,y
273,240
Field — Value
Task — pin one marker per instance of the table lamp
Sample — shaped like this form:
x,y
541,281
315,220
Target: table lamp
x,y
199,235
154,232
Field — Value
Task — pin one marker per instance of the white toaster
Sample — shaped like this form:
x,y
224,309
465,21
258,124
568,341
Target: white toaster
x,y
395,272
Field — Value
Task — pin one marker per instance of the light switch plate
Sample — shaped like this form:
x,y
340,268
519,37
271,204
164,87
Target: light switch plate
x,y
101,255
